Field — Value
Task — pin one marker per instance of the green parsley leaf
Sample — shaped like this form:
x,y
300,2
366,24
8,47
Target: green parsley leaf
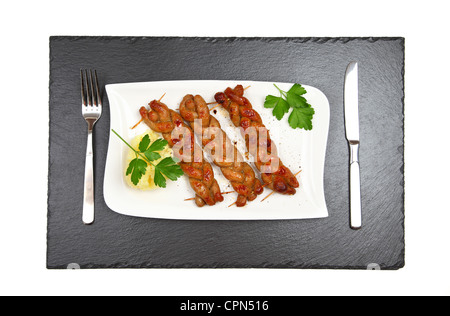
x,y
279,105
168,168
296,101
281,109
159,179
302,112
301,118
271,101
151,152
143,145
151,155
158,145
297,89
137,169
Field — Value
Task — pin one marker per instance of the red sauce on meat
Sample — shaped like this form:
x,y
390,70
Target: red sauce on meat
x,y
245,124
250,113
208,175
178,122
281,171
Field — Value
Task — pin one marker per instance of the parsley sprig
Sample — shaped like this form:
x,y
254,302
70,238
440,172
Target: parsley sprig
x,y
145,155
302,112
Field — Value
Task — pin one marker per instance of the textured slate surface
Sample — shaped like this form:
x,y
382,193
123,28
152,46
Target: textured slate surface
x,y
117,241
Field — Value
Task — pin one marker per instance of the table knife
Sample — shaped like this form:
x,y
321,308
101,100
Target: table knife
x,y
351,112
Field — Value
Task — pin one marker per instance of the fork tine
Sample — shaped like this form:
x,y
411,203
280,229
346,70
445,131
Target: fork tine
x,y
83,91
91,84
88,91
99,98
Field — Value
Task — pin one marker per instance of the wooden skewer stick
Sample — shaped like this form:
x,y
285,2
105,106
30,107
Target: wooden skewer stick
x,y
138,123
215,107
211,103
267,184
247,88
232,204
223,193
228,192
161,97
268,196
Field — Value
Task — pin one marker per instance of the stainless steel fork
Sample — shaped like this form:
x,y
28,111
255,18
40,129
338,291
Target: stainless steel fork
x,y
91,109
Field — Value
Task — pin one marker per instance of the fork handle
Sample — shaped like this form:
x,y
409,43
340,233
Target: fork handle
x,y
88,202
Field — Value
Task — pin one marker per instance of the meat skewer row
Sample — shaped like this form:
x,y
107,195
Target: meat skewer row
x,y
201,175
226,156
279,178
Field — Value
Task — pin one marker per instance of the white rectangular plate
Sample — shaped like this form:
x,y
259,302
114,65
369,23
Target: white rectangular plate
x,y
298,149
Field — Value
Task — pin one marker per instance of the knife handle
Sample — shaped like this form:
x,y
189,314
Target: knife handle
x,y
355,187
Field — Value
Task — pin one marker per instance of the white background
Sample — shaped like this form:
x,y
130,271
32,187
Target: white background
x,y
25,27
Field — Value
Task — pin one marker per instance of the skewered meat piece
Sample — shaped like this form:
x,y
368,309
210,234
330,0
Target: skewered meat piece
x,y
201,175
279,178
195,111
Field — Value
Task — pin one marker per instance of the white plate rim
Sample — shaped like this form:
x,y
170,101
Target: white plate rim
x,y
117,121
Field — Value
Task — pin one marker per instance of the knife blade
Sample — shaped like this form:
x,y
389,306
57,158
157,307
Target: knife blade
x,y
351,113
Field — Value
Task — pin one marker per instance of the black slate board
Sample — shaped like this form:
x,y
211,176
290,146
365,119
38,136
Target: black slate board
x,y
117,241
